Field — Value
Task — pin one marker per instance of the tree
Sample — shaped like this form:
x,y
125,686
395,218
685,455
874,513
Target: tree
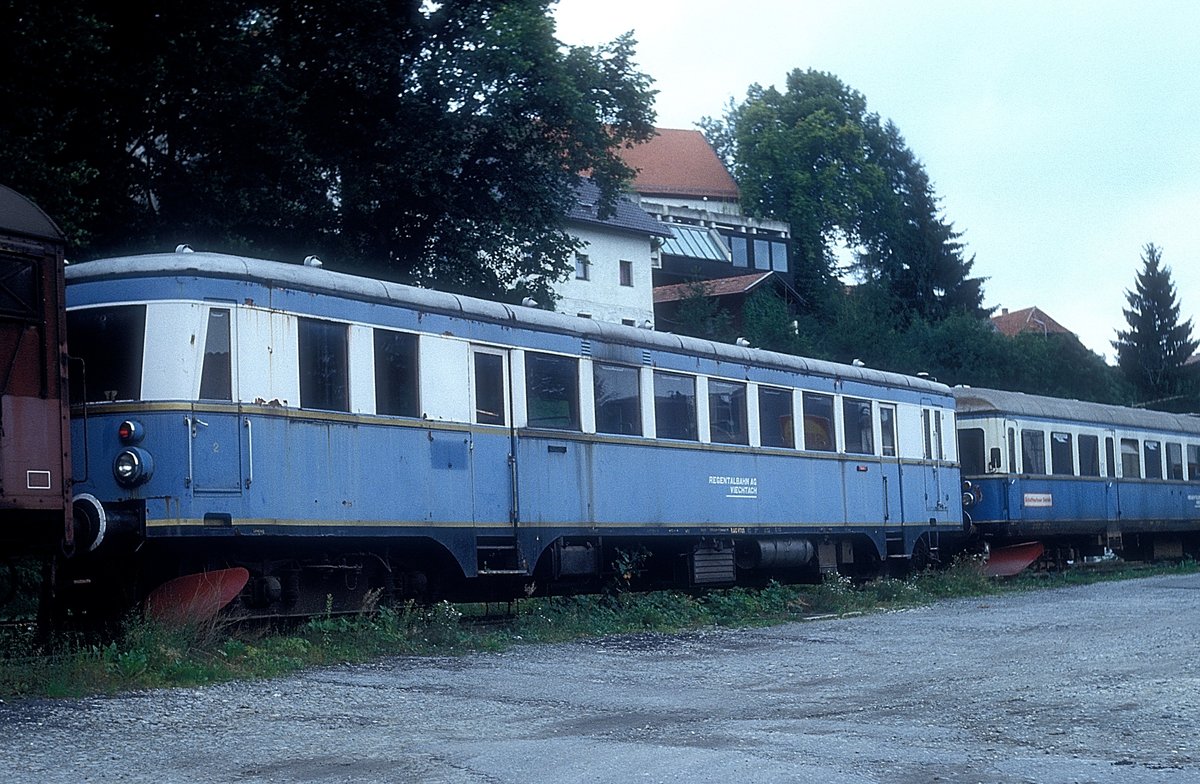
x,y
815,157
425,142
701,315
1152,353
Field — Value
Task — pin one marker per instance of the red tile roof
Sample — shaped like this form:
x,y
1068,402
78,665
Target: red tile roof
x,y
679,163
1027,320
713,287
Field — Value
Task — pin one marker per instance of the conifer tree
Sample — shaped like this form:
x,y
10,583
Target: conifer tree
x,y
1152,352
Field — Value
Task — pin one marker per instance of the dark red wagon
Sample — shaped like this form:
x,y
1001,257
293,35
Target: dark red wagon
x,y
35,452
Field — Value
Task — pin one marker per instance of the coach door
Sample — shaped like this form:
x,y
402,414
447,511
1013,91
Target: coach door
x,y
217,436
931,427
893,501
493,461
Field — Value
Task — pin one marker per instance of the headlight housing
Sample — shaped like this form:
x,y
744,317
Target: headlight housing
x,y
133,466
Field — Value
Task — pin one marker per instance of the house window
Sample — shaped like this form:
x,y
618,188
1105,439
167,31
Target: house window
x,y
583,267
396,373
727,412
775,416
324,369
626,273
675,406
618,400
739,248
216,377
552,387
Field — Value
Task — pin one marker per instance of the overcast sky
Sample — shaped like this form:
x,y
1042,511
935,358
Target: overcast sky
x,y
1061,137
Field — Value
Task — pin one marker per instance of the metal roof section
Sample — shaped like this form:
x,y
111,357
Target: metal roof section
x,y
18,215
696,242
323,281
627,217
1019,404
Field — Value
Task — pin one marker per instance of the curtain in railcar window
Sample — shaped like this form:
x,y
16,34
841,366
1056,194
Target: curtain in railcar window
x,y
727,412
775,417
1033,451
324,369
818,422
618,399
216,378
552,391
1062,459
396,374
675,406
110,341
857,426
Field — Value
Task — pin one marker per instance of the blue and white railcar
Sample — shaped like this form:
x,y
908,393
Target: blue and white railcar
x,y
327,430
1084,476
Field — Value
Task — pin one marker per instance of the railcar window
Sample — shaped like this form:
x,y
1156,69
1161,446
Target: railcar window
x,y
818,422
1033,451
1193,461
1153,460
552,391
618,400
971,452
1110,457
775,416
19,288
110,343
857,426
1012,451
887,429
489,389
1089,455
931,421
216,378
675,406
1062,459
1130,460
727,412
396,374
324,369
1174,461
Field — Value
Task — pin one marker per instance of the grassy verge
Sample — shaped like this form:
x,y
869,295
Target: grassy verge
x,y
150,656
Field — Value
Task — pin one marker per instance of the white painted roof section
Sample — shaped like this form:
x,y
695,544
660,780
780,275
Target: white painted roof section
x,y
970,400
321,280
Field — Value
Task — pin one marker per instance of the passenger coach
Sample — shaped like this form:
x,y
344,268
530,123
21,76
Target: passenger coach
x,y
1079,476
334,434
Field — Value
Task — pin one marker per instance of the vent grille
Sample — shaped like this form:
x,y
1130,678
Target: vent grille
x,y
585,348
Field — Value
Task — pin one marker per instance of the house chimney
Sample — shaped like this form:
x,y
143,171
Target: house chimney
x,y
1003,311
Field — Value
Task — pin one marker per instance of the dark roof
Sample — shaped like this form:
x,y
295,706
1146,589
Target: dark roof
x,y
722,287
18,215
1027,320
627,217
679,163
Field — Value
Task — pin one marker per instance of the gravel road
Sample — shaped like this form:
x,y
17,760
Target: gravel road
x,y
1091,684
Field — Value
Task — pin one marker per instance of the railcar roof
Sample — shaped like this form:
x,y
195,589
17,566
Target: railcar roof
x,y
320,280
970,400
18,215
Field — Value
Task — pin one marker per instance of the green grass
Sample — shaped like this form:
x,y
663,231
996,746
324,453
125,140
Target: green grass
x,y
147,655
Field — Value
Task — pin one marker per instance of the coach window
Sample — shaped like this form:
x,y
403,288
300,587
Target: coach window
x,y
618,399
1062,460
818,422
931,424
490,408
216,378
1089,455
1193,462
1174,462
1033,452
396,373
857,426
1153,459
971,451
552,391
110,343
324,372
1012,451
1110,457
675,406
887,429
775,417
1131,467
727,412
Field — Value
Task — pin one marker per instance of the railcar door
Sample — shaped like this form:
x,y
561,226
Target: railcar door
x,y
216,431
493,459
1112,496
893,501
